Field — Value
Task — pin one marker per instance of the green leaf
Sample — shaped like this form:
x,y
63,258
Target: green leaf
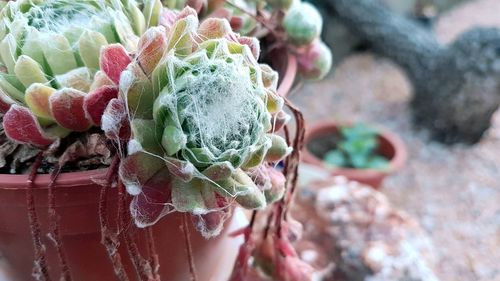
x,y
8,52
32,48
173,140
90,44
10,85
152,10
359,161
28,71
148,134
59,54
335,158
378,162
187,196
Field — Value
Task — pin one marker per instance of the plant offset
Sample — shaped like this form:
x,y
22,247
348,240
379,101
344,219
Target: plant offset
x,y
51,55
192,115
207,106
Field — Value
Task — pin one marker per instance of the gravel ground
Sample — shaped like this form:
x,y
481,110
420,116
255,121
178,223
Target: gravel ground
x,y
453,191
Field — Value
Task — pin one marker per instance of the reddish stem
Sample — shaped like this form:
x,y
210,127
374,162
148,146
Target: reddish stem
x,y
54,232
40,269
153,253
189,248
141,265
108,238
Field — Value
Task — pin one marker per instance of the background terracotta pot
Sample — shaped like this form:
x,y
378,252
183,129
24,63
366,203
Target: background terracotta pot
x,y
77,207
390,146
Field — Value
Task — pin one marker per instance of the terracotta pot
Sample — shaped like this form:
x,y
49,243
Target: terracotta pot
x,y
390,146
77,207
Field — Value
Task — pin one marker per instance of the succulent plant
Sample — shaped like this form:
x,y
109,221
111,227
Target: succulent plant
x,y
200,108
315,60
51,83
303,23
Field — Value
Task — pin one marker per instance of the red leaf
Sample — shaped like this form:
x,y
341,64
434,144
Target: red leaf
x,y
252,43
67,109
236,23
114,60
114,121
152,203
21,125
96,102
152,45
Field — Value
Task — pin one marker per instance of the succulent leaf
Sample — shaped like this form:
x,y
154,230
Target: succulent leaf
x,y
315,61
95,102
187,196
90,45
22,126
303,23
37,99
153,200
66,106
78,79
152,45
114,60
28,71
58,53
279,149
137,169
114,121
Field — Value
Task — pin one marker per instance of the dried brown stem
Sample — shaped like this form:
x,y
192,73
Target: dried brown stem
x,y
40,268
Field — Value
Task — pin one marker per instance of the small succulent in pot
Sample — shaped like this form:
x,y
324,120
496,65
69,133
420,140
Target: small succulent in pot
x,y
200,108
357,148
51,84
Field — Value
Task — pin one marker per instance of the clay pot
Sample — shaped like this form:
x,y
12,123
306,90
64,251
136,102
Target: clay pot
x,y
77,207
390,146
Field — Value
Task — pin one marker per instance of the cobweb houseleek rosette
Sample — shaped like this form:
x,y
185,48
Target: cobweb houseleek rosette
x,y
208,140
51,84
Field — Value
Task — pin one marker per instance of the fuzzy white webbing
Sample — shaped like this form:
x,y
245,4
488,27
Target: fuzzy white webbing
x,y
62,15
219,105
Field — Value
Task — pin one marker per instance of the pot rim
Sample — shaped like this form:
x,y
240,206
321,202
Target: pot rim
x,y
395,163
79,178
67,179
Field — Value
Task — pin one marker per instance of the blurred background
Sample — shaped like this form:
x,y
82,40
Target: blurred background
x,y
450,184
